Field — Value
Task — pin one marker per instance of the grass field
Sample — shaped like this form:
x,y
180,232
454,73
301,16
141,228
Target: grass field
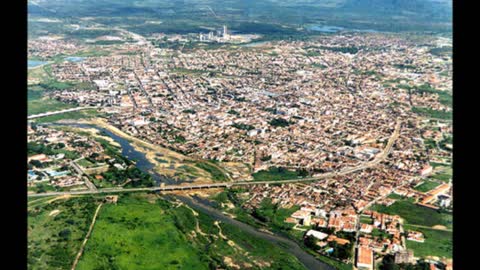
x,y
216,174
41,105
83,114
430,113
427,186
275,173
414,214
136,234
53,241
437,243
366,220
85,163
142,232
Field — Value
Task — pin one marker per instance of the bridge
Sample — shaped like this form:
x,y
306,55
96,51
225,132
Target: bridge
x,y
57,112
387,150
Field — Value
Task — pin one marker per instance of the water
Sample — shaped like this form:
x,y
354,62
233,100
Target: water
x,y
335,29
74,58
130,152
290,246
325,28
254,44
34,63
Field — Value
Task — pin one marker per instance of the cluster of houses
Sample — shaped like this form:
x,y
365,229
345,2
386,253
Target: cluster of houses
x,y
292,104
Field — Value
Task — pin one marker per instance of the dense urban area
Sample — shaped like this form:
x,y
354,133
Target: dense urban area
x,y
340,143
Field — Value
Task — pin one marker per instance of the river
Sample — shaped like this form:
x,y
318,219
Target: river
x,y
336,29
34,63
128,151
308,260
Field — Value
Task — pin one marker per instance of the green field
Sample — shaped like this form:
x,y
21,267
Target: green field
x,y
366,220
275,173
430,113
274,215
41,105
85,163
427,186
53,241
415,214
437,243
216,173
142,232
83,114
444,177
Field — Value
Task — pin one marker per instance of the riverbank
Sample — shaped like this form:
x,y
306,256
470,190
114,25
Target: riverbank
x,y
163,161
308,260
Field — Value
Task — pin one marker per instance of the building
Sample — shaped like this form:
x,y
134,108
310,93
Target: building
x,y
111,199
364,258
404,256
303,217
317,234
225,32
426,170
444,200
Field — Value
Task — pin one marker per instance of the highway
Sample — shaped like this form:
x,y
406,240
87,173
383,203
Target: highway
x,y
369,164
57,112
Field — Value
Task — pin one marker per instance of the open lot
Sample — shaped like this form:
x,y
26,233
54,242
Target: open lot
x,y
146,232
415,214
56,230
437,243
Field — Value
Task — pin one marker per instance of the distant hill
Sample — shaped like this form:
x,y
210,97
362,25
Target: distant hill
x,y
386,15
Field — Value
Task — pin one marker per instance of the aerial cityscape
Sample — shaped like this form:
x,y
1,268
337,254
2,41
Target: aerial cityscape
x,y
205,134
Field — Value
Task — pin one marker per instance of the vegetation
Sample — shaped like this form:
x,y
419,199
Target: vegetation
x,y
415,214
243,126
83,114
351,50
34,148
442,51
427,186
137,177
443,97
214,171
277,173
279,122
38,105
388,263
437,243
274,215
148,233
427,112
54,239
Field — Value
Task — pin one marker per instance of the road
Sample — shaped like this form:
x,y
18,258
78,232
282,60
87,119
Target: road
x,y
83,175
369,164
79,254
57,112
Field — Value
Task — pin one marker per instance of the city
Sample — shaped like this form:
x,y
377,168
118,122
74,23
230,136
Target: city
x,y
339,142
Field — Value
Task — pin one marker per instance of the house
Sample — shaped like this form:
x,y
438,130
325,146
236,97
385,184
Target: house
x,y
317,234
339,241
111,199
364,258
366,228
415,236
303,217
404,256
39,157
426,170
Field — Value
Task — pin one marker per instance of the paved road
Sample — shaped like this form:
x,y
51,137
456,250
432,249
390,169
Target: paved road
x,y
342,172
83,175
57,112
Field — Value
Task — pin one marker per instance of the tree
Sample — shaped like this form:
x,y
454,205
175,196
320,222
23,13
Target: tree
x,y
310,242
